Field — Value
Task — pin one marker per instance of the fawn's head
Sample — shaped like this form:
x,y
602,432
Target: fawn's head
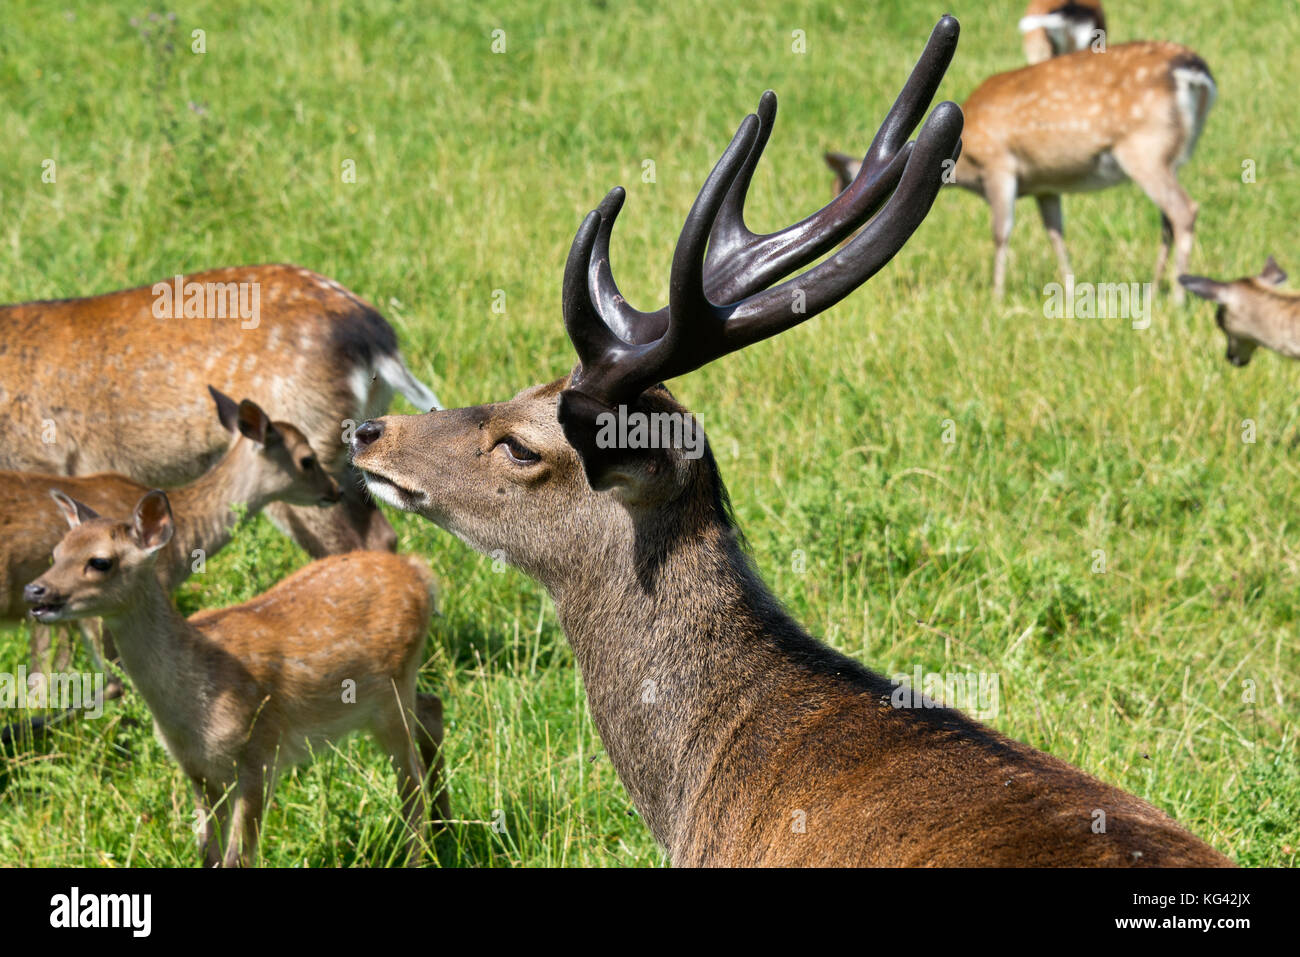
x,y
1244,307
100,562
564,478
282,464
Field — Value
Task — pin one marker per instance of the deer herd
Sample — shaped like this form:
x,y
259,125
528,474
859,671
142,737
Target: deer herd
x,y
755,724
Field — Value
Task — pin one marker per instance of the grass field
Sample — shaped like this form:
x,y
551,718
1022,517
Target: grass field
x,y
1172,674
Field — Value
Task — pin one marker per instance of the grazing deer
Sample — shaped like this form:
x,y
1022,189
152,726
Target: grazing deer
x,y
1052,27
111,383
239,694
1082,122
1253,312
267,462
741,739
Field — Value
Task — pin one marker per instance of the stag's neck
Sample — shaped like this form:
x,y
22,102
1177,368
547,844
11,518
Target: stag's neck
x,y
675,659
208,510
161,652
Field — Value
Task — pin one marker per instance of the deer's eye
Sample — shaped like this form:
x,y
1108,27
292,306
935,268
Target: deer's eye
x,y
307,463
100,564
519,453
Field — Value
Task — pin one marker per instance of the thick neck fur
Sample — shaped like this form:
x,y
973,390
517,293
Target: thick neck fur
x,y
676,636
205,518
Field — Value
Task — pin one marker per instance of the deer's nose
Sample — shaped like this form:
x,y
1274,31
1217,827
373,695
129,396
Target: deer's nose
x,y
366,434
34,592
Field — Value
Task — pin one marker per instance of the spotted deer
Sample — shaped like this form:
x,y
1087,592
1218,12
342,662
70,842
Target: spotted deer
x,y
1053,28
240,694
1253,312
741,739
266,462
1083,122
114,383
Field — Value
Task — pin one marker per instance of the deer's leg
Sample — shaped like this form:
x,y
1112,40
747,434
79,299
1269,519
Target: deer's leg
x,y
1000,189
245,819
1166,240
396,738
1159,181
428,735
209,830
95,634
38,653
1049,208
90,641
63,651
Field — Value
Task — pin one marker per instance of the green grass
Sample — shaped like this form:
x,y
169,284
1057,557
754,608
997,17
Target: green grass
x,y
473,170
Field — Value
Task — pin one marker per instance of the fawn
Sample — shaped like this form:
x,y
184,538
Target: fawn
x,y
239,694
314,354
267,462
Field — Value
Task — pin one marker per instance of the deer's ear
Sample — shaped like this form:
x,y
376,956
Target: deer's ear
x,y
1205,288
592,428
844,167
227,409
256,425
1273,274
151,524
75,512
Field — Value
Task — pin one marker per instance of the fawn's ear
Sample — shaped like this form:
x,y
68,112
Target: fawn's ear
x,y
1273,274
844,167
151,524
227,409
1205,288
75,512
256,425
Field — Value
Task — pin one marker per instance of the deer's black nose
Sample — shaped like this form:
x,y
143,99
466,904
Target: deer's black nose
x,y
366,434
33,593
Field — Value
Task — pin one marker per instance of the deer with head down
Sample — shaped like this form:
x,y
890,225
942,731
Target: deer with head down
x,y
1077,123
239,694
1253,312
753,725
114,383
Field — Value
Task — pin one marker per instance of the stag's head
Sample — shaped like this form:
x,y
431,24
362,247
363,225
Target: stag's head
x,y
570,477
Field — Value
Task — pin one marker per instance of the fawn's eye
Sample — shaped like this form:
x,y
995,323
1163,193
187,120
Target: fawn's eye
x,y
519,453
307,463
100,564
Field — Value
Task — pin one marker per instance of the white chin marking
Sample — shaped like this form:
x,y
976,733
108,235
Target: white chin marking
x,y
388,493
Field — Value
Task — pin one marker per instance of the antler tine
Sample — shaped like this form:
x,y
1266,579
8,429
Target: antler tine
x,y
623,351
646,347
741,262
591,338
916,94
772,311
690,313
625,321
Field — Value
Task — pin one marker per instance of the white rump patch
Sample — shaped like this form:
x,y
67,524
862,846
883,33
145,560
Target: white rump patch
x,y
1195,93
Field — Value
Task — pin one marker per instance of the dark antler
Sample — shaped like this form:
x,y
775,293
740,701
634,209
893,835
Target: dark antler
x,y
721,302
